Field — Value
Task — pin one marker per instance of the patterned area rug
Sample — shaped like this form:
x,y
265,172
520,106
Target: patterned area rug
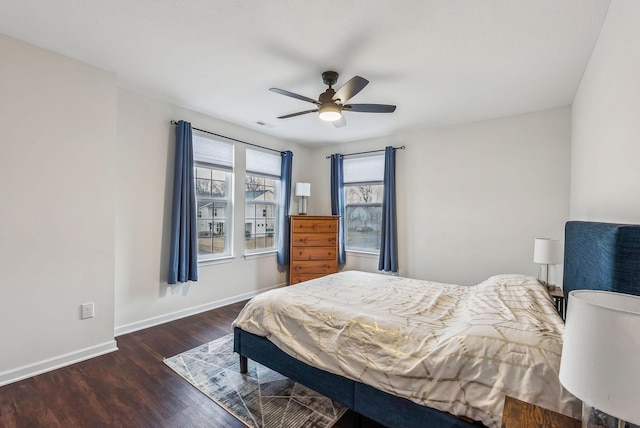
x,y
262,398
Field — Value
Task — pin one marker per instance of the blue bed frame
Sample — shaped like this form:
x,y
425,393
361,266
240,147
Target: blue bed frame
x,y
600,256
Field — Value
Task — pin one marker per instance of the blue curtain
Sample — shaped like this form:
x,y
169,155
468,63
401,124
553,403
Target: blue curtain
x,y
286,163
337,201
388,260
183,253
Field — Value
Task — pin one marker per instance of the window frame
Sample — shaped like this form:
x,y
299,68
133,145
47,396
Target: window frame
x,y
225,202
262,164
254,233
363,177
347,220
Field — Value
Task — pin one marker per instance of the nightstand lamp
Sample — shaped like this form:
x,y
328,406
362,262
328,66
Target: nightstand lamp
x,y
599,363
547,253
303,191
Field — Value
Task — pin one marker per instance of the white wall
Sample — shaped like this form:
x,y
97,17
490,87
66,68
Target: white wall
x,y
86,179
146,144
471,198
605,151
57,209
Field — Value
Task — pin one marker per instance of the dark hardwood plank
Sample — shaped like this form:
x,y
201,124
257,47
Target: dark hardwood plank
x,y
131,387
518,414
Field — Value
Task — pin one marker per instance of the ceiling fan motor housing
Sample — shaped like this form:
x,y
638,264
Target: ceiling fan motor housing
x,y
327,96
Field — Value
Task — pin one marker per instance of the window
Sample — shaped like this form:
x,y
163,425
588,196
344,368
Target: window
x,y
213,173
363,187
262,184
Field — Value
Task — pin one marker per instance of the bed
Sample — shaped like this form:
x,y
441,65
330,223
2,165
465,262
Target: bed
x,y
597,255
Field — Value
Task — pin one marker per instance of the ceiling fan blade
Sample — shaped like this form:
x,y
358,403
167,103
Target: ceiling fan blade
x,y
351,88
340,122
292,95
370,108
286,116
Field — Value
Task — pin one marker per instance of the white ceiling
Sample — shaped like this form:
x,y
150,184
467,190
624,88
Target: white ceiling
x,y
440,61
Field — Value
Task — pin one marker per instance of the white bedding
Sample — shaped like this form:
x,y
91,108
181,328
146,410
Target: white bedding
x,y
455,348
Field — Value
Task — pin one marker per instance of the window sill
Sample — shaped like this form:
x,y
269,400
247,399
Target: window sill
x,y
364,254
216,261
260,254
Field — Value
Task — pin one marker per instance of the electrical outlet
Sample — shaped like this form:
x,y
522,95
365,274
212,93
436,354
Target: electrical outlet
x,y
87,310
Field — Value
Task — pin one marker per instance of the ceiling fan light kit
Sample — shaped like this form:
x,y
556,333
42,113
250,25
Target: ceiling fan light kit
x,y
332,103
330,112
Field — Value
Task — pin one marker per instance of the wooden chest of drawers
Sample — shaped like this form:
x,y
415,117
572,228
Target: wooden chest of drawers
x,y
314,247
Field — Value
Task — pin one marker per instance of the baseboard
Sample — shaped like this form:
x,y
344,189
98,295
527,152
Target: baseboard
x,y
50,364
151,322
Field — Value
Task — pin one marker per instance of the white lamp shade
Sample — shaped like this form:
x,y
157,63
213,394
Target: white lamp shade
x,y
303,189
547,251
601,350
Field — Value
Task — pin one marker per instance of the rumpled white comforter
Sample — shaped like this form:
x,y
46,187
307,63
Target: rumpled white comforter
x,y
455,348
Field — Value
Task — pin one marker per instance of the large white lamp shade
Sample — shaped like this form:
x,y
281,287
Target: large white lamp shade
x,y
601,352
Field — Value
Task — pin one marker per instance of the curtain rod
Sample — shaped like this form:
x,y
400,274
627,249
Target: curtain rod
x,y
370,151
173,122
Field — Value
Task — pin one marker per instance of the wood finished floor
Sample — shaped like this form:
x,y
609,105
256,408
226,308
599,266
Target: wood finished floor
x,y
131,387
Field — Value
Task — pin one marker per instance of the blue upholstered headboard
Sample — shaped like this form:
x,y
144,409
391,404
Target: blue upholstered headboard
x,y
601,256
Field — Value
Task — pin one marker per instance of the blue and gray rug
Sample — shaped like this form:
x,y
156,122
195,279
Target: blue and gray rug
x,y
261,398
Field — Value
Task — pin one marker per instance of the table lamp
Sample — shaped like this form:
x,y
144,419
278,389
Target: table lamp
x,y
600,356
548,253
303,191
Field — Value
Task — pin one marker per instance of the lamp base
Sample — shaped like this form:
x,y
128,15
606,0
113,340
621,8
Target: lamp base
x,y
549,287
546,276
302,208
594,418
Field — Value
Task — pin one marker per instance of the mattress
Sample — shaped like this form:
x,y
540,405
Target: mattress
x,y
458,349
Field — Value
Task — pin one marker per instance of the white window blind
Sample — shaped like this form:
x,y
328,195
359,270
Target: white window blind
x,y
213,152
263,162
363,169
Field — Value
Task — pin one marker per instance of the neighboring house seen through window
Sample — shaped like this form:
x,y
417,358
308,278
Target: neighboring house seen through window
x,y
262,184
213,181
363,187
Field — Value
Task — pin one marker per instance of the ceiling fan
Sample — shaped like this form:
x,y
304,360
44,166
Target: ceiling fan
x,y
332,103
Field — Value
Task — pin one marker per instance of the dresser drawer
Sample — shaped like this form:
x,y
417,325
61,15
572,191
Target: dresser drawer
x,y
315,266
297,278
313,253
313,240
314,226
